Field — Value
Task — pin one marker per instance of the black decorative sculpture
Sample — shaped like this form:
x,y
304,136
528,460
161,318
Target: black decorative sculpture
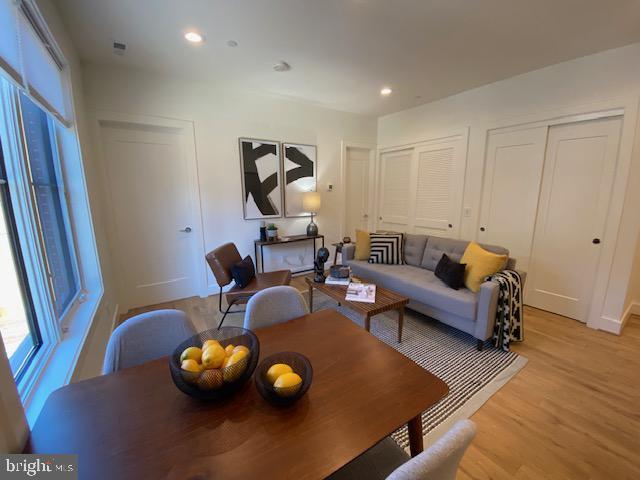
x,y
318,265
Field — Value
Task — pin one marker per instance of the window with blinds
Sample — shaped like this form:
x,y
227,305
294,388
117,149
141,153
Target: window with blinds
x,y
30,56
51,206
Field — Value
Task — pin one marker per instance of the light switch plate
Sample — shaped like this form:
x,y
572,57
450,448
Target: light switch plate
x,y
466,211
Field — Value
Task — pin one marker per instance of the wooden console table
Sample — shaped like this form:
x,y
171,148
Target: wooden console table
x,y
285,240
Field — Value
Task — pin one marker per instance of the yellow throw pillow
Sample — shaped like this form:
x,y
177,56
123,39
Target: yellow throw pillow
x,y
480,264
363,245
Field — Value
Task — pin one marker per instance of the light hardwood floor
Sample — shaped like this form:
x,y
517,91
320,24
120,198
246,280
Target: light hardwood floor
x,y
573,412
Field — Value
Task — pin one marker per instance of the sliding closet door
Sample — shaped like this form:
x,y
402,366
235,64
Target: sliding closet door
x,y
395,181
574,202
439,182
513,172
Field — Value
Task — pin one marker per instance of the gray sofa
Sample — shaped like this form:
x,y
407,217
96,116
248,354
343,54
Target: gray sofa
x,y
473,313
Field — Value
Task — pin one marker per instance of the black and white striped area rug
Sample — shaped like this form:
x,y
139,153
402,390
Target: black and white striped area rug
x,y
447,353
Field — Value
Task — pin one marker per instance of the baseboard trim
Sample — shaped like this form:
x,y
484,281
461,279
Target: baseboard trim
x,y
632,309
610,325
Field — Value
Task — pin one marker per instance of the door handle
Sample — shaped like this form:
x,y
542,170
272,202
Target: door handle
x,y
595,241
482,229
186,230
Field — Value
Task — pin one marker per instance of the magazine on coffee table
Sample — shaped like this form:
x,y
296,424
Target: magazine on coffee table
x,y
361,292
338,281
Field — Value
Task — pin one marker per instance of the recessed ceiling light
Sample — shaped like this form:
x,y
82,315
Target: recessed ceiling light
x,y
385,91
232,43
194,37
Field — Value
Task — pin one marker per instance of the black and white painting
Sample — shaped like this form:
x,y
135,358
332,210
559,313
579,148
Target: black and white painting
x,y
261,183
299,167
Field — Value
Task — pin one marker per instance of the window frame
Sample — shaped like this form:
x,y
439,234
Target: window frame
x,y
19,265
63,317
27,226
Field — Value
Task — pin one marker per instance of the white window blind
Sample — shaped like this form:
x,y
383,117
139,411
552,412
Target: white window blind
x,y
43,74
9,45
29,54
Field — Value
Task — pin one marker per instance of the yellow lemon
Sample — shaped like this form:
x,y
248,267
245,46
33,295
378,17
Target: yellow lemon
x,y
213,357
235,366
190,370
228,350
210,380
240,348
209,343
191,365
276,370
225,362
287,384
193,353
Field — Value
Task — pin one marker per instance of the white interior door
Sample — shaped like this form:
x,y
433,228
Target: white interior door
x,y
574,201
357,175
513,173
395,184
151,199
438,190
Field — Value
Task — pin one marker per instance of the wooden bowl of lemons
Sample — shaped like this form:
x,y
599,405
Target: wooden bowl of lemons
x,y
215,363
283,378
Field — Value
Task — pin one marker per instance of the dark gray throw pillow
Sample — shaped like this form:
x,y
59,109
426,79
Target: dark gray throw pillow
x,y
450,272
243,271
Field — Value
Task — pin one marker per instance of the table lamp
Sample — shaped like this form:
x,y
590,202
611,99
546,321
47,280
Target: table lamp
x,y
311,204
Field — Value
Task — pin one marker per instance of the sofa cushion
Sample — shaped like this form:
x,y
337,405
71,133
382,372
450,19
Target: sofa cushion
x,y
414,248
363,245
454,249
436,246
386,248
450,272
480,264
419,284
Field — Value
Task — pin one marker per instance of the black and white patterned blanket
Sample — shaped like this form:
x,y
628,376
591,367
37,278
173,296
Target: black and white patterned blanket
x,y
509,324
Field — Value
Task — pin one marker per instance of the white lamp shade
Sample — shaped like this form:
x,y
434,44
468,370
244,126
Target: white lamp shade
x,y
311,202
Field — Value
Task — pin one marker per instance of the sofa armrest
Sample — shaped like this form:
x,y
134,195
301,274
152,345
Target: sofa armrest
x,y
523,278
487,308
348,252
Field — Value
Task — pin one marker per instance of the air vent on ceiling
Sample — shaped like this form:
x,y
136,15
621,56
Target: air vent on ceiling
x,y
119,48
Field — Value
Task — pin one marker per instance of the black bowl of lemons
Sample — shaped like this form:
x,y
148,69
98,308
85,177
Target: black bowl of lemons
x,y
215,363
283,378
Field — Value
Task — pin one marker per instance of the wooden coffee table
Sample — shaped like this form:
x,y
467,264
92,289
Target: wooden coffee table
x,y
385,300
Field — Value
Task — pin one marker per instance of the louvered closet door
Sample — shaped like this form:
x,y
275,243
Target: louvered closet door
x,y
439,176
395,180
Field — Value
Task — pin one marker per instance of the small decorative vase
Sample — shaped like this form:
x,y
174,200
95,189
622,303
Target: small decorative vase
x,y
272,235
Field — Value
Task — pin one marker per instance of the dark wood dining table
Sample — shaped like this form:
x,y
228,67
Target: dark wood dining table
x,y
135,424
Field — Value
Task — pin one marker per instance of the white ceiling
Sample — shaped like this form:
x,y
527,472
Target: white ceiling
x,y
343,51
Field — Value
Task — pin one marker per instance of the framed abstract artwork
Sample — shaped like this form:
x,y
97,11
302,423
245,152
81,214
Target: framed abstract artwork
x,y
299,167
261,178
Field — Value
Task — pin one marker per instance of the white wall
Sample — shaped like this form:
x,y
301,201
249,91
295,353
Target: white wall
x,y
632,303
219,118
611,77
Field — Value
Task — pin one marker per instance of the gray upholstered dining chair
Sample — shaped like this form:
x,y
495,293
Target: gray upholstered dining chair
x,y
146,337
274,305
387,460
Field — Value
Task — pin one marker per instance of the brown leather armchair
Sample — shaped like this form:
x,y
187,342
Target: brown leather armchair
x,y
221,260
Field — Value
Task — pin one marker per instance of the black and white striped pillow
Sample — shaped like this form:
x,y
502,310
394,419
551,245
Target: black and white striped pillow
x,y
386,248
